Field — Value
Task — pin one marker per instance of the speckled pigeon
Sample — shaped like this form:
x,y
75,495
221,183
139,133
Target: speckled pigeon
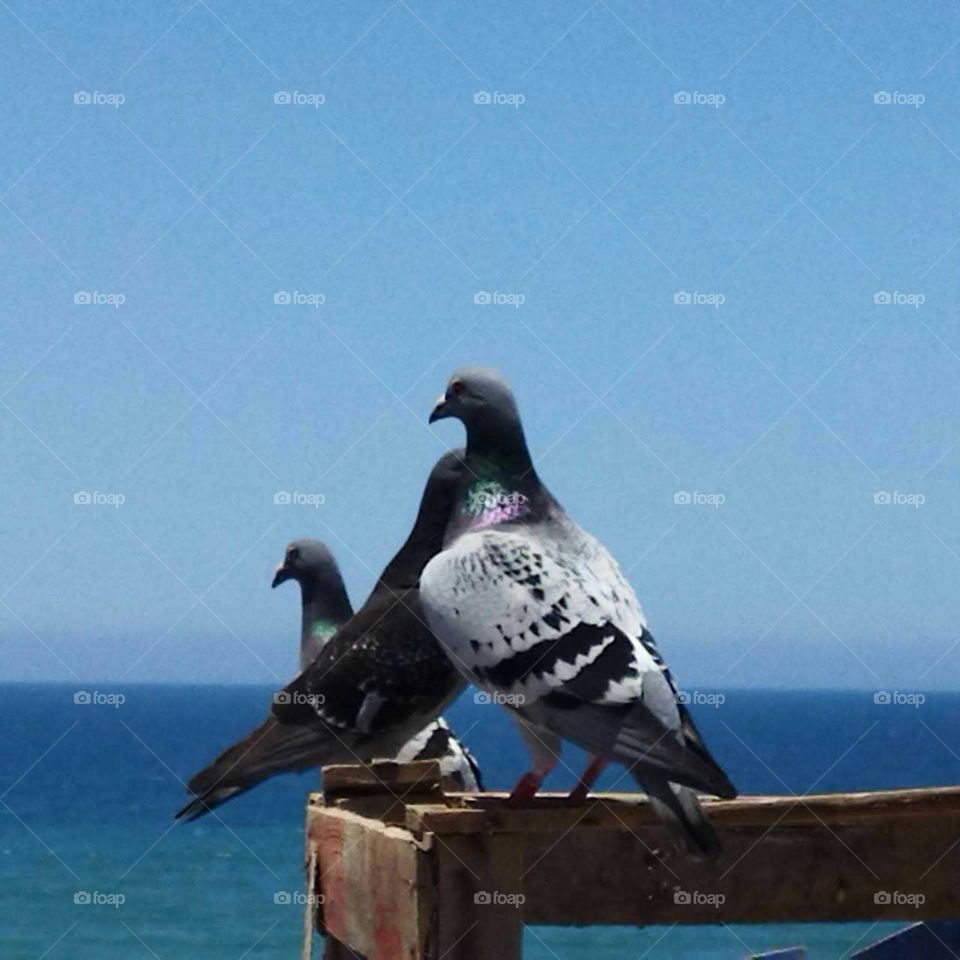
x,y
378,681
535,611
325,607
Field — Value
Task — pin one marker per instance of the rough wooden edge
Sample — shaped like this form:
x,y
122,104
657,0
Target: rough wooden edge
x,y
382,777
470,813
373,881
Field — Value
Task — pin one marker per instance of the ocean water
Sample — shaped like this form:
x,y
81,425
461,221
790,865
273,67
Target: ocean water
x,y
89,789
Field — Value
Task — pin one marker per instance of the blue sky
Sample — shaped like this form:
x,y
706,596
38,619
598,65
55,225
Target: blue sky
x,y
699,284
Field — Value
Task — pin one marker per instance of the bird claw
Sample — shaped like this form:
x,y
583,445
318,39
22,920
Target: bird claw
x,y
578,794
524,790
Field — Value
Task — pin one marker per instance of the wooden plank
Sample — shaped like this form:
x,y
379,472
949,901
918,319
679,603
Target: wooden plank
x,y
375,884
310,909
551,813
902,869
466,871
481,906
383,777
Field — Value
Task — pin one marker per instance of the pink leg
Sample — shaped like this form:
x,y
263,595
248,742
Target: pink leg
x,y
587,779
525,789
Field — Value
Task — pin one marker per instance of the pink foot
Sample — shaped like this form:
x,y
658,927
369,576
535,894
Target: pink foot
x,y
525,789
587,779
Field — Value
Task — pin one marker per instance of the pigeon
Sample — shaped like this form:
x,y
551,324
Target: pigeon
x,y
438,742
535,611
379,680
323,595
325,607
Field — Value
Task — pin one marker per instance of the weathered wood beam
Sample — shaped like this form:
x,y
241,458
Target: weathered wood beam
x,y
374,885
459,875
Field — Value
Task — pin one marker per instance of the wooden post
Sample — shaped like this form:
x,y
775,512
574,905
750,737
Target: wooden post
x,y
406,872
480,909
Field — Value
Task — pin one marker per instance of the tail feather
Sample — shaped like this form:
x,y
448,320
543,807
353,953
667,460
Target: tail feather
x,y
271,748
682,814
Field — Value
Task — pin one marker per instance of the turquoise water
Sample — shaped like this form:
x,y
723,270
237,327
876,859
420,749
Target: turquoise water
x,y
88,792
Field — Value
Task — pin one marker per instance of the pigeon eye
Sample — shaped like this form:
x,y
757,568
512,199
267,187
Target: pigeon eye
x,y
293,553
456,388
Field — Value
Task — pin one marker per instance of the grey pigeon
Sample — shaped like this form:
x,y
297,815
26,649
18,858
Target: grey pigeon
x,y
378,681
536,612
325,607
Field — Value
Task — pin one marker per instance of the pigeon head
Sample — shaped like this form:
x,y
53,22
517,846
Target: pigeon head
x,y
475,395
306,561
483,402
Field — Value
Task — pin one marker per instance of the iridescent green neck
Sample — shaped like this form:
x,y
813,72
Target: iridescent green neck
x,y
490,496
323,629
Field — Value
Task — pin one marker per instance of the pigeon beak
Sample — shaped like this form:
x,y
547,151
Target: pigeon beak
x,y
281,575
440,410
